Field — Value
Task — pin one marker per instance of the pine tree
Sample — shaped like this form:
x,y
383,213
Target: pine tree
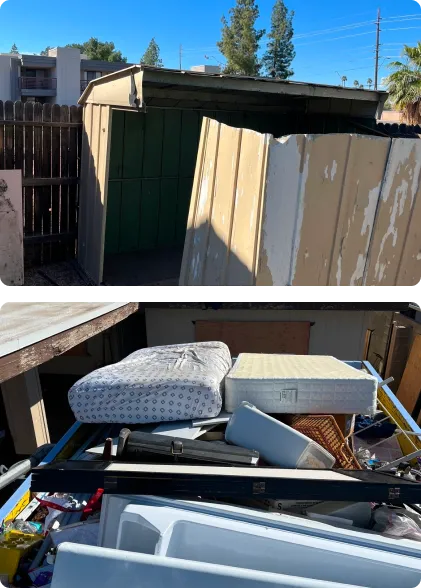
x,y
280,51
151,55
239,43
14,49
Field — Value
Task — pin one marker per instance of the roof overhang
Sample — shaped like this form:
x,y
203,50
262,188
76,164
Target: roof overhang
x,y
166,88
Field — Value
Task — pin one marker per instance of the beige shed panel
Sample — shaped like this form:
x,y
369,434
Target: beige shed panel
x,y
395,255
301,210
94,188
223,229
117,89
320,203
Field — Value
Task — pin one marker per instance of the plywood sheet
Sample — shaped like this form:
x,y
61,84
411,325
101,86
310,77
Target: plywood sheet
x,y
398,220
410,386
257,337
11,228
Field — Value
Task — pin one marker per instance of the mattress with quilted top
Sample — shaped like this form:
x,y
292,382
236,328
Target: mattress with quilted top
x,y
168,383
307,384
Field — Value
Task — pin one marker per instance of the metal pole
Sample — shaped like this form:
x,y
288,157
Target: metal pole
x,y
376,72
181,56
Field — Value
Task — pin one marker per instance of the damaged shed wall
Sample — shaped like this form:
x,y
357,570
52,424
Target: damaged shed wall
x,y
303,210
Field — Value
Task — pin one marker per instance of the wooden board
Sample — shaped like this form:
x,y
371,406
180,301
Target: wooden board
x,y
397,354
11,228
410,386
257,337
44,348
25,412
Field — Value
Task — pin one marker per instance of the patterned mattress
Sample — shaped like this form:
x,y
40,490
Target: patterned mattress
x,y
168,383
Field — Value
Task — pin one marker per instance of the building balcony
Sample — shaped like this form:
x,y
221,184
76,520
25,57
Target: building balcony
x,y
83,85
31,83
37,87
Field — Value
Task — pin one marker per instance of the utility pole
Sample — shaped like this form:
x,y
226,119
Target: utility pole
x,y
376,72
181,56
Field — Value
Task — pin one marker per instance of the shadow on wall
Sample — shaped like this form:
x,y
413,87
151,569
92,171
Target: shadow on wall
x,y
209,260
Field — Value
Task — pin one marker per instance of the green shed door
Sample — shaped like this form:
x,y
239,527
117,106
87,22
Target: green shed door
x,y
152,163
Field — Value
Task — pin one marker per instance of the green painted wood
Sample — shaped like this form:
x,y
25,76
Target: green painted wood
x,y
185,186
131,194
167,213
134,144
189,143
112,229
154,128
117,145
149,214
171,143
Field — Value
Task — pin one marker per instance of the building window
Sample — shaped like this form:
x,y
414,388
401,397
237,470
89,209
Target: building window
x,y
92,75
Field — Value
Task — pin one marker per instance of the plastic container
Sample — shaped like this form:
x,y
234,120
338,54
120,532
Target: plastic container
x,y
324,430
13,546
277,443
94,567
197,537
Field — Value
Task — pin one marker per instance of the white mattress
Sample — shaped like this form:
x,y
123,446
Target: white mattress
x,y
307,384
168,383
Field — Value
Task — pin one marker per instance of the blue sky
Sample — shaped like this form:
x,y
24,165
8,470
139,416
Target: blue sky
x,y
347,49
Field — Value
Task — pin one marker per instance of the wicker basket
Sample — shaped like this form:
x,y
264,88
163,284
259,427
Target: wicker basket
x,y
324,430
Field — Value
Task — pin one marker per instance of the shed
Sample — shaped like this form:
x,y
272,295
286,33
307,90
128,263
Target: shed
x,y
141,129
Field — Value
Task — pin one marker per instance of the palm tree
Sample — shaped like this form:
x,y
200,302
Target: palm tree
x,y
404,84
369,83
344,80
356,83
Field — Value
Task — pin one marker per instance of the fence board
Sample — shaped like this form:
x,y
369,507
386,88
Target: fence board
x,y
55,173
39,212
1,135
28,114
9,154
46,173
64,172
30,140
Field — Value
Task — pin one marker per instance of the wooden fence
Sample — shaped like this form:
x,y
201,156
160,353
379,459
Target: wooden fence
x,y
44,141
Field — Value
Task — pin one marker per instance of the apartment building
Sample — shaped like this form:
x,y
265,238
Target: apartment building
x,y
57,78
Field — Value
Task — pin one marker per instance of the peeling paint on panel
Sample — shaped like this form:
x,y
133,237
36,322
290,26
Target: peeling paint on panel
x,y
280,210
11,228
396,212
305,210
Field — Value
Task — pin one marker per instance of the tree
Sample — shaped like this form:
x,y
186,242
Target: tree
x,y
361,86
152,55
101,50
14,49
46,50
344,80
369,83
356,83
404,84
239,43
280,50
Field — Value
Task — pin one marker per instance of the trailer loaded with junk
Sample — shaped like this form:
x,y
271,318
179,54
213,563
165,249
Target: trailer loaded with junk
x,y
186,464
